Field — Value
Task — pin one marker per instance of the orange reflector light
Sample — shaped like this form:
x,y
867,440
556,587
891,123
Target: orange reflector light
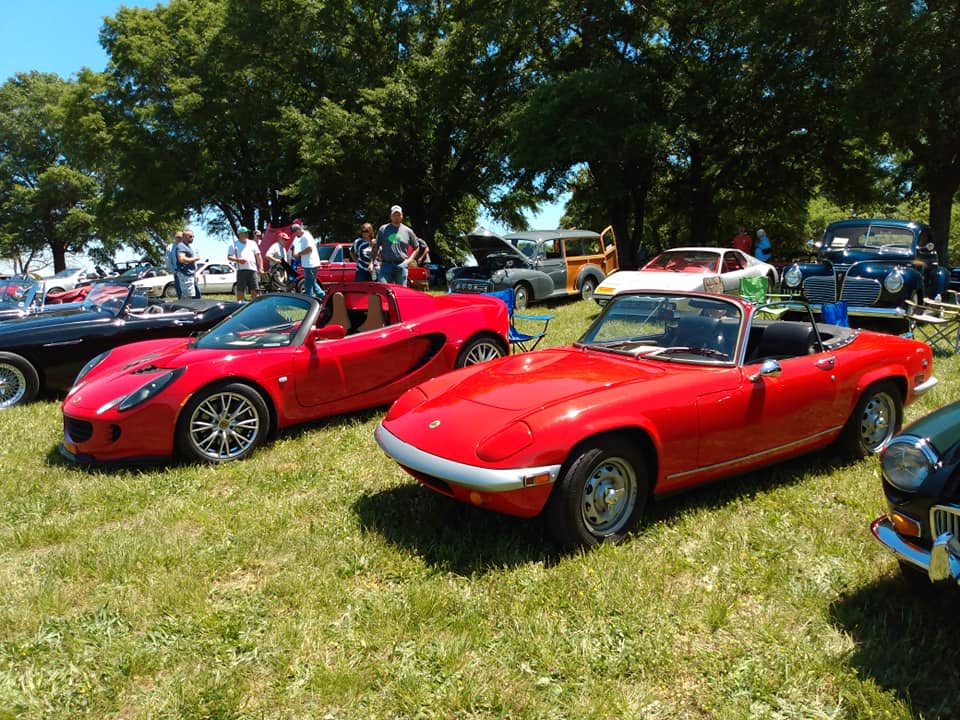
x,y
476,498
532,480
905,525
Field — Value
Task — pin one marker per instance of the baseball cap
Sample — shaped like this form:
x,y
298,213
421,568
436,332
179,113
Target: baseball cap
x,y
283,236
242,229
396,208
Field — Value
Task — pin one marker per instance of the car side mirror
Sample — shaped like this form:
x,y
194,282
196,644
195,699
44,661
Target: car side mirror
x,y
768,368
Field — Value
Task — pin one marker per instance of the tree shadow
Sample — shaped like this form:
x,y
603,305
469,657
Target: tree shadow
x,y
906,640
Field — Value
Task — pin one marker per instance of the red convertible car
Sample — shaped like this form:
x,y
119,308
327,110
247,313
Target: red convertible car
x,y
279,360
665,390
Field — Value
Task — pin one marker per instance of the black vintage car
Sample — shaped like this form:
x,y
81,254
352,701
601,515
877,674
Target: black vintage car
x,y
873,265
921,481
46,350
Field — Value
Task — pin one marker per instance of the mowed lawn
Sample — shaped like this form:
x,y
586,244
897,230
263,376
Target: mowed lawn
x,y
316,580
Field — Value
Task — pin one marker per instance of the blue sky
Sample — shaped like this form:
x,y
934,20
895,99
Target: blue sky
x,y
62,36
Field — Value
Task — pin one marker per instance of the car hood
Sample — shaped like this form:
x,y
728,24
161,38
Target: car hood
x,y
645,279
848,256
484,242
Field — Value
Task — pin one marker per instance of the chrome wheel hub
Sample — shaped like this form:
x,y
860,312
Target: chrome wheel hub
x,y
609,496
224,426
482,352
877,423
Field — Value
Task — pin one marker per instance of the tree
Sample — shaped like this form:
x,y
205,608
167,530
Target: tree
x,y
46,199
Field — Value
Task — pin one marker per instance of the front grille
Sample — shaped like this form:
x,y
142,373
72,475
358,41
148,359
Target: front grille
x,y
77,430
471,286
860,291
945,518
820,289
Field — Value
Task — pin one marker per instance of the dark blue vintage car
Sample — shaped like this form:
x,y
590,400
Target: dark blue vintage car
x,y
872,265
921,482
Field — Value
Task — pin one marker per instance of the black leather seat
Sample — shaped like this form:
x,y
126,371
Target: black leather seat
x,y
783,340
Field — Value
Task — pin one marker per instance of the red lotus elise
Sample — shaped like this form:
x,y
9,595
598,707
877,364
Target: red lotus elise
x,y
665,390
279,360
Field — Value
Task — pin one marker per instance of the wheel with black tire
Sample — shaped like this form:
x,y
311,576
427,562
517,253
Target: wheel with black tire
x,y
55,290
521,296
222,423
873,422
233,289
19,381
600,496
300,285
587,287
480,349
170,291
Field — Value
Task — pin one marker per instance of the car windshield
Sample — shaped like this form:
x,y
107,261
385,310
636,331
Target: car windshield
x,y
667,327
271,321
687,261
108,297
135,271
527,247
869,236
17,293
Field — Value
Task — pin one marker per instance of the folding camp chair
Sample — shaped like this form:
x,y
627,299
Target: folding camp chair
x,y
522,341
754,289
936,324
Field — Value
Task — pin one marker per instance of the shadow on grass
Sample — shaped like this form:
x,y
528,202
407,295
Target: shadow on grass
x,y
463,539
451,535
906,640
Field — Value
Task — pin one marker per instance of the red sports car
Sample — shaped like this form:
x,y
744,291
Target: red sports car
x,y
279,360
664,391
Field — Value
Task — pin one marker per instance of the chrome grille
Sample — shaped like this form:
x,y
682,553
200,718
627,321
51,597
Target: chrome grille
x,y
860,291
820,289
475,286
77,430
945,518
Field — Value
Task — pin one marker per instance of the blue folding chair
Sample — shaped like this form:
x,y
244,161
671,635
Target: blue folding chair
x,y
523,341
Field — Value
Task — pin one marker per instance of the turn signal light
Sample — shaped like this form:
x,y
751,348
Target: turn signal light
x,y
905,525
532,480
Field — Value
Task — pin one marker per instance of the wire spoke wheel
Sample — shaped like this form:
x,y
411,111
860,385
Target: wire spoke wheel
x,y
609,496
13,385
225,426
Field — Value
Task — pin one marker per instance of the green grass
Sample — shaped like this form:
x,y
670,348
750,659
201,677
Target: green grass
x,y
316,580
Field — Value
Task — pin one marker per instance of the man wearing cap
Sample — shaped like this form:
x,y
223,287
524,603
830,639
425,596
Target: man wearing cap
x,y
186,269
305,248
392,245
246,254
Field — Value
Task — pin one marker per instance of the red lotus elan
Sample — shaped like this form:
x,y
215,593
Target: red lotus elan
x,y
279,360
664,391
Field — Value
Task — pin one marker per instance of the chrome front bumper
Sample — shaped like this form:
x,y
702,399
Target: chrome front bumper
x,y
940,563
471,477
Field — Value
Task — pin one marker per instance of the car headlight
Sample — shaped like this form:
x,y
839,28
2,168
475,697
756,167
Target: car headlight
x,y
91,364
148,390
498,275
893,282
505,443
907,462
793,277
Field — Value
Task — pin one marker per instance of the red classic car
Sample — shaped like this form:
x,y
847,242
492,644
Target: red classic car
x,y
337,266
665,390
279,360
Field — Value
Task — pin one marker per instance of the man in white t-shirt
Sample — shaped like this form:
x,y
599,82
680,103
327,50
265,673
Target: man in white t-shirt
x,y
246,254
305,248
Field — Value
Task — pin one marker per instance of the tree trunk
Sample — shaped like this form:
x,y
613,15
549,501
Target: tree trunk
x,y
941,203
59,256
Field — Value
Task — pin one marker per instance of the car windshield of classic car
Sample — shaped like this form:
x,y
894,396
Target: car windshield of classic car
x,y
667,327
869,236
272,321
17,293
111,297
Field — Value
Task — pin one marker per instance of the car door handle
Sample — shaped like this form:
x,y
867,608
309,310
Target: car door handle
x,y
827,363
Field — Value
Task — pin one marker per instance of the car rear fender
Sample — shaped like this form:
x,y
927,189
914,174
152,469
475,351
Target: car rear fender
x,y
589,271
268,397
896,374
